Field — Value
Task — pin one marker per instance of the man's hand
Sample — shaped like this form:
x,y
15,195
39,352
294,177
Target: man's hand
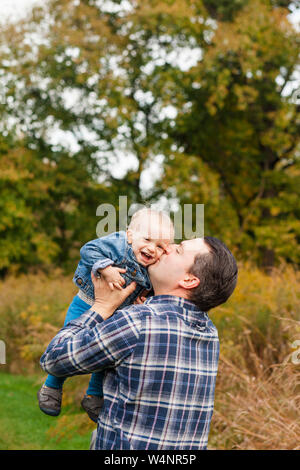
x,y
107,300
112,275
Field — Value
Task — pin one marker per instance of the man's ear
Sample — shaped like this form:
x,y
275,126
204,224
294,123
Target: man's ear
x,y
129,235
189,281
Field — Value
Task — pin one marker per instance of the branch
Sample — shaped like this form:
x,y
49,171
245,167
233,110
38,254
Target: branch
x,y
287,79
287,165
228,189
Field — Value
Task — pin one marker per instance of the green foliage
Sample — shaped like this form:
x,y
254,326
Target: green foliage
x,y
23,242
47,208
246,132
104,80
224,10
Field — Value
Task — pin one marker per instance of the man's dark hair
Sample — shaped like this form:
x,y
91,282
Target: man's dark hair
x,y
217,271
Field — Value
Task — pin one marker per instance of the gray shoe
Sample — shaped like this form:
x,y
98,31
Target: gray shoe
x,y
92,405
49,400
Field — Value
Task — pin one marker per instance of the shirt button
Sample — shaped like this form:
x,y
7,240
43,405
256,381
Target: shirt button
x,y
79,281
134,272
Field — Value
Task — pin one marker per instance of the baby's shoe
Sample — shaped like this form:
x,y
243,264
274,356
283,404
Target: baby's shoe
x,y
49,400
92,405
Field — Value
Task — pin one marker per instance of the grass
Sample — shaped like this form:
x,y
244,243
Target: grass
x,y
24,427
256,412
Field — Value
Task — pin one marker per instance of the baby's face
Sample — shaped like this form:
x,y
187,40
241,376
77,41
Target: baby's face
x,y
149,241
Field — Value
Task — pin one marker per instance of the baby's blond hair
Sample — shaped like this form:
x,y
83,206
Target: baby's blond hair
x,y
162,218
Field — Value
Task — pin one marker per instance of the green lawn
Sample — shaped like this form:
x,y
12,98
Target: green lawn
x,y
24,426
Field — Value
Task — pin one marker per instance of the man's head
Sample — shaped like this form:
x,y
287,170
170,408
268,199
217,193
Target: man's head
x,y
202,270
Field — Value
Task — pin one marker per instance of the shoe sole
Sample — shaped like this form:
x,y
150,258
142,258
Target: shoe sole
x,y
92,418
49,412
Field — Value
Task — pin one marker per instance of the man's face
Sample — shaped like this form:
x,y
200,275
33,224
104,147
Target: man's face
x,y
174,265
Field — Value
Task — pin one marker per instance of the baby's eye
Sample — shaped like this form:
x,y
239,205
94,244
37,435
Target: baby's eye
x,y
147,239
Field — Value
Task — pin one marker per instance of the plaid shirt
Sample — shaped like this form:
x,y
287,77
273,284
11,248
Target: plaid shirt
x,y
161,361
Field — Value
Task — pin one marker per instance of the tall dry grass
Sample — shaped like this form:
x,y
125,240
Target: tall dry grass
x,y
257,398
257,393
261,319
32,310
257,412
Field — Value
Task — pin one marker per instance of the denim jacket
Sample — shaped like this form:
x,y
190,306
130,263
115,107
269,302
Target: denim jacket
x,y
112,249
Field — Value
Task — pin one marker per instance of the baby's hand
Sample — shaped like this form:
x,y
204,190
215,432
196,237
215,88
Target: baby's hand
x,y
139,300
113,277
142,297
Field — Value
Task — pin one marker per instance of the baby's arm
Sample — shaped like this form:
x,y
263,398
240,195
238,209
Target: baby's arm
x,y
101,254
97,255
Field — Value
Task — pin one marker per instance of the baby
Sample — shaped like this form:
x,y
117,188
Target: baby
x,y
120,258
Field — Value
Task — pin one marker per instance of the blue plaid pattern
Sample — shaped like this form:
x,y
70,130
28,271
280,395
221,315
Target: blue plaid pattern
x,y
161,361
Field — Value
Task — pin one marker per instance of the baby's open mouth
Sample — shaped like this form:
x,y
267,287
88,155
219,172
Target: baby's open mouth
x,y
146,256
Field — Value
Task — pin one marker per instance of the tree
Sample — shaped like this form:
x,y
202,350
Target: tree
x,y
241,130
47,208
90,72
107,76
87,56
23,243
49,190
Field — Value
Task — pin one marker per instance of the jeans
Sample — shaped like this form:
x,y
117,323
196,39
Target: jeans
x,y
76,308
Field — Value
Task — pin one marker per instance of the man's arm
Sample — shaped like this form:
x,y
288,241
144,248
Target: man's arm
x,y
89,343
96,339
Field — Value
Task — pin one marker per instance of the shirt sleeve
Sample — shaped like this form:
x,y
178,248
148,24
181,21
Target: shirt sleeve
x,y
90,344
103,252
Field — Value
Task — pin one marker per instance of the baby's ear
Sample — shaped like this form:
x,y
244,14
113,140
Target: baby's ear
x,y
129,235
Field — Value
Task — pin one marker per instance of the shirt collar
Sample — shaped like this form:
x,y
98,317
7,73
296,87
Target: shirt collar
x,y
188,309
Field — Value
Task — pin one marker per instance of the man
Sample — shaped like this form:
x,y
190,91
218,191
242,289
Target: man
x,y
160,357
